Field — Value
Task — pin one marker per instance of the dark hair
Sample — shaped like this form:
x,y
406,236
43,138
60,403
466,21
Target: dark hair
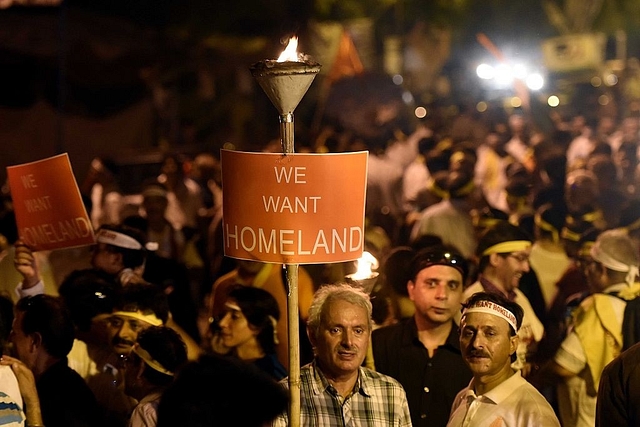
x,y
166,347
549,221
6,319
48,316
131,258
502,301
502,231
442,254
257,306
147,298
395,269
87,293
214,391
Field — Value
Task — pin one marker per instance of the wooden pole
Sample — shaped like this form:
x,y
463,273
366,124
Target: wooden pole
x,y
293,314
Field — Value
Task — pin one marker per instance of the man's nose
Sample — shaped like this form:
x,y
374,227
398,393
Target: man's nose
x,y
441,291
347,338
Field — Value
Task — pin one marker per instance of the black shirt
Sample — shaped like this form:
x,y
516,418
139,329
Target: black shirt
x,y
66,400
431,383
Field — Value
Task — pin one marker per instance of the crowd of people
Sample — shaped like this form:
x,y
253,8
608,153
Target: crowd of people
x,y
507,294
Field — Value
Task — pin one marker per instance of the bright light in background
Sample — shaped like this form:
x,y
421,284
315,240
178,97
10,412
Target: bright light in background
x,y
420,112
519,71
603,100
485,71
397,79
535,81
407,97
481,106
516,102
596,81
553,101
610,79
503,74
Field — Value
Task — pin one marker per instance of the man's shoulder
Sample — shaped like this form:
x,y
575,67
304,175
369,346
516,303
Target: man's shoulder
x,y
378,379
473,288
391,332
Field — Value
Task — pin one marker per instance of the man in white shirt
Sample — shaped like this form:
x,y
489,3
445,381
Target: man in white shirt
x,y
497,395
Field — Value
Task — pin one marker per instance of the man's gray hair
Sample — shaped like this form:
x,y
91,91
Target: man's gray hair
x,y
337,292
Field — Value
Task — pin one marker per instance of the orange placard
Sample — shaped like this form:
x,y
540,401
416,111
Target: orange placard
x,y
48,206
294,208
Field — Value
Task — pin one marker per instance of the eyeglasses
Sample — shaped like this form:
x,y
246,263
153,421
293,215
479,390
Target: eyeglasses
x,y
519,257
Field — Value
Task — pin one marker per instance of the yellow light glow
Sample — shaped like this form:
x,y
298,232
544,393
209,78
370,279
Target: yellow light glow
x,y
291,51
553,101
365,266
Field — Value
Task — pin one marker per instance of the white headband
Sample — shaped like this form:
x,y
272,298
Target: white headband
x,y
118,239
489,307
615,265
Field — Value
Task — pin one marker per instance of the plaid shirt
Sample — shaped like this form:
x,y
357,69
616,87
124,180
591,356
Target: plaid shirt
x,y
378,400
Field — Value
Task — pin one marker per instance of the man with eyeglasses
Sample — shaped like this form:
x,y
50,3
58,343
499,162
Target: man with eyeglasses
x,y
503,254
423,352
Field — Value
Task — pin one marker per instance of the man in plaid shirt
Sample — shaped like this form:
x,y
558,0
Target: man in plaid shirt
x,y
336,390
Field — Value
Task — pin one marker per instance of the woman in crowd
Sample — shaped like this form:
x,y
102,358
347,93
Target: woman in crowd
x,y
247,328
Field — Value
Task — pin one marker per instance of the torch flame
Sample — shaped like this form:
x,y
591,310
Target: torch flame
x,y
366,264
291,51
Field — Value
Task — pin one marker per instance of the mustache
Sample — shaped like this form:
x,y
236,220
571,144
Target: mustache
x,y
117,340
476,353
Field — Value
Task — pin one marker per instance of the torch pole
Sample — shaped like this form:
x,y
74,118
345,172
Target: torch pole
x,y
293,314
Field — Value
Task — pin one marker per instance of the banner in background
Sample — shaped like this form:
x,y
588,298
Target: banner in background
x,y
49,210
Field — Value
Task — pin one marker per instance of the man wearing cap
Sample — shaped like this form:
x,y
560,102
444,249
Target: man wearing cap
x,y
497,395
423,352
503,253
596,337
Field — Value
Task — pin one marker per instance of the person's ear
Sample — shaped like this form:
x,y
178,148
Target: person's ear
x,y
513,344
141,369
36,341
312,337
410,288
495,259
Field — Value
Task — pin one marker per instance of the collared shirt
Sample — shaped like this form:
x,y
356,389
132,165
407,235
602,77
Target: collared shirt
x,y
514,402
431,383
145,414
377,400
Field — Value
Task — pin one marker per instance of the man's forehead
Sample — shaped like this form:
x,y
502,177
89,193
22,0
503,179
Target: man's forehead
x,y
435,270
480,320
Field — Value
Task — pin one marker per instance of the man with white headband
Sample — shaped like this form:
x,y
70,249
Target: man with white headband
x,y
503,254
497,395
596,335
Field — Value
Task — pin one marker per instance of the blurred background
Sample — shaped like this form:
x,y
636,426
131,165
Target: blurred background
x,y
133,79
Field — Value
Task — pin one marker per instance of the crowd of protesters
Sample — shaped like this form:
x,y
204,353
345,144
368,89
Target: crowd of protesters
x,y
548,220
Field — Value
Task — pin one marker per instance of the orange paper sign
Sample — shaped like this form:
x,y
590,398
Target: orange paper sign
x,y
48,206
294,209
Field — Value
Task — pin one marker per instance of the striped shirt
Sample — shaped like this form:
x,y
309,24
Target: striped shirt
x,y
378,400
11,414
